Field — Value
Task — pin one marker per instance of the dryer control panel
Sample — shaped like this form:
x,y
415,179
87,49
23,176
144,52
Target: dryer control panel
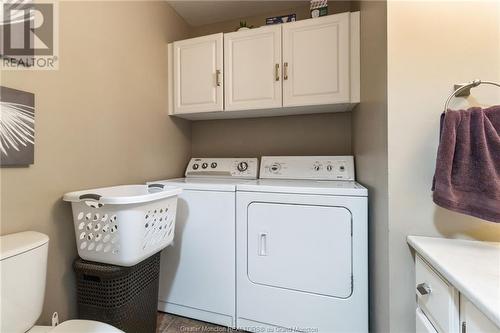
x,y
307,167
244,168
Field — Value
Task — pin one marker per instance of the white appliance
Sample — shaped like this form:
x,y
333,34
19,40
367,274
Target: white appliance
x,y
198,273
301,235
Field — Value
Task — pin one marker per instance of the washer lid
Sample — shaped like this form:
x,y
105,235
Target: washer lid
x,y
205,184
84,326
323,187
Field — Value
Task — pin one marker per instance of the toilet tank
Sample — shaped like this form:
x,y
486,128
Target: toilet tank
x,y
23,269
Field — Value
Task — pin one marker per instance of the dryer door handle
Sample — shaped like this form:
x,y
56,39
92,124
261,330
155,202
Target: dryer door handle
x,y
263,244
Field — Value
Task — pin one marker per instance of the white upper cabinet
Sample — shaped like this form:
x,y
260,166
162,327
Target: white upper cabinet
x,y
316,61
308,66
198,75
252,76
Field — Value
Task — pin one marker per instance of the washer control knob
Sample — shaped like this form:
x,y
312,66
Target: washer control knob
x,y
196,166
242,166
317,167
213,165
329,167
204,165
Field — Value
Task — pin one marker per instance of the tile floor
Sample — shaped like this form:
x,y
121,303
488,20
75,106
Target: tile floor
x,y
168,323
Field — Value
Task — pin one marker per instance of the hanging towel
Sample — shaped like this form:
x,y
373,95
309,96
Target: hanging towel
x,y
467,177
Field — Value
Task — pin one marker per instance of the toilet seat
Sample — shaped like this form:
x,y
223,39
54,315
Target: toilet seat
x,y
84,326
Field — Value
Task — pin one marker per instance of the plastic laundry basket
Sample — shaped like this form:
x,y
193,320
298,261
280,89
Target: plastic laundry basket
x,y
123,225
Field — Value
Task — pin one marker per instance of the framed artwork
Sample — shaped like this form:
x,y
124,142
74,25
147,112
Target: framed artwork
x,y
17,127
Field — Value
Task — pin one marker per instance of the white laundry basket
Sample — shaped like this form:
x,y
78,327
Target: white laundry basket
x,y
123,225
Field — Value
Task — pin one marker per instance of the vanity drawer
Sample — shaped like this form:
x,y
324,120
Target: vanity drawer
x,y
423,325
437,299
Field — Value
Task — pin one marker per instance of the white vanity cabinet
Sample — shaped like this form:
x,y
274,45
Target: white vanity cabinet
x,y
449,273
308,66
422,324
252,76
197,69
473,320
316,61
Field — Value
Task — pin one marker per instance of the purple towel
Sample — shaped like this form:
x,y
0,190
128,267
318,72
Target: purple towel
x,y
467,177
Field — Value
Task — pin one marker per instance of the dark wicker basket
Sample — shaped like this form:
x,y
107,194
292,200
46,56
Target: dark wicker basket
x,y
125,297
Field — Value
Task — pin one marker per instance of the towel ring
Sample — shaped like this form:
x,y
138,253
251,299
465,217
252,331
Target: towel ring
x,y
465,87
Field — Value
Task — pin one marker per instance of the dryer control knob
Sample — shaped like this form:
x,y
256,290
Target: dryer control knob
x,y
195,166
242,166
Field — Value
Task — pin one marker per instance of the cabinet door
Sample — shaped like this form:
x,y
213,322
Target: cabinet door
x,y
473,320
316,61
198,75
252,76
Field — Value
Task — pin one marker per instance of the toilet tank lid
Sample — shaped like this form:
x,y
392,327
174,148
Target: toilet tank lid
x,y
15,244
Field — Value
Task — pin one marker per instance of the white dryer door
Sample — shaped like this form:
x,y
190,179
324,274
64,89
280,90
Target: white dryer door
x,y
306,248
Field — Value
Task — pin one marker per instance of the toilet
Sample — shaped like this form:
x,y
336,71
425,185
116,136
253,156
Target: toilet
x,y
23,269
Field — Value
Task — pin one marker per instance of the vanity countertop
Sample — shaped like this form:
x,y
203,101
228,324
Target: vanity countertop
x,y
472,267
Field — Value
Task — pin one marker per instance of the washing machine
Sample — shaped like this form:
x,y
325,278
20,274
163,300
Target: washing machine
x,y
198,272
301,235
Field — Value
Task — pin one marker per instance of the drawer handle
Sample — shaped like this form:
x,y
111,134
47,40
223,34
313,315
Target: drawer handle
x,y
285,71
423,289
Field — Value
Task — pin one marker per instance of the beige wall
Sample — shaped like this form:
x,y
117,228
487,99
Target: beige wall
x,y
370,149
431,46
323,134
101,120
327,134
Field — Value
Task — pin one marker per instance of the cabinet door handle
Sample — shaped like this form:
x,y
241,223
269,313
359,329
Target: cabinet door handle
x,y
285,71
277,72
423,289
217,77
